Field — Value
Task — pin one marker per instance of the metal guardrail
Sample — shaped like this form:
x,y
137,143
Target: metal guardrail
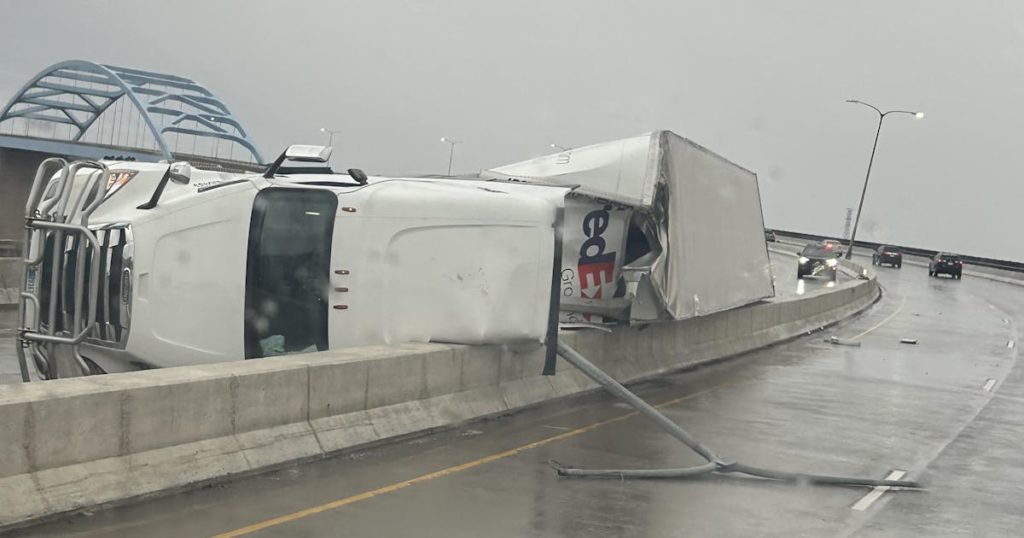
x,y
1005,265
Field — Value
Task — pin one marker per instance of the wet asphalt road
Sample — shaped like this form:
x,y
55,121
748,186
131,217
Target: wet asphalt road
x,y
802,406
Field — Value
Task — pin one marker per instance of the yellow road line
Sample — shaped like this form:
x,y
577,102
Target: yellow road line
x,y
273,522
884,321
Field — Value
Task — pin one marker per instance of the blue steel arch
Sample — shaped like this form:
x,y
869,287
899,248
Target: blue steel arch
x,y
149,92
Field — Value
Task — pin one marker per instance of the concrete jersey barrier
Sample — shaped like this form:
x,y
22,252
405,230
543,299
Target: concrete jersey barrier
x,y
83,442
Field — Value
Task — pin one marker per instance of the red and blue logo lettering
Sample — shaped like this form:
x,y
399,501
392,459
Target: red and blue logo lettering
x,y
596,266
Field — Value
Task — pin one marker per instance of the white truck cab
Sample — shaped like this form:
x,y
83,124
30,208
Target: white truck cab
x,y
157,264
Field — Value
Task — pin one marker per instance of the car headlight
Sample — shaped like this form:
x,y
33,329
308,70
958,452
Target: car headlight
x,y
831,262
803,259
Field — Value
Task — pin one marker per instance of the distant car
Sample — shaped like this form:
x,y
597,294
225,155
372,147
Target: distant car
x,y
946,263
769,236
835,247
887,255
817,261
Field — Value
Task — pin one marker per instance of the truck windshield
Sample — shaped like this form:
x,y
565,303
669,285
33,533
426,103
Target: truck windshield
x,y
287,272
816,251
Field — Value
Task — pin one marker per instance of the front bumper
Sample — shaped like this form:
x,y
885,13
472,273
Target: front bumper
x,y
818,269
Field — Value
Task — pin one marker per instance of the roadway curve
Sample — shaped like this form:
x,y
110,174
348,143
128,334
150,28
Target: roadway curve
x,y
947,411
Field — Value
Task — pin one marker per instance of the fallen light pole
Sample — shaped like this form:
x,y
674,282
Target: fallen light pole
x,y
714,465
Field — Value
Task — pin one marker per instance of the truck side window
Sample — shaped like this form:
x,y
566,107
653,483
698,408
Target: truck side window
x,y
287,271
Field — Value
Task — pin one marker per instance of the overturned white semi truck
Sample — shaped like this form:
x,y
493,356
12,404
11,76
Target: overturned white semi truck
x,y
138,265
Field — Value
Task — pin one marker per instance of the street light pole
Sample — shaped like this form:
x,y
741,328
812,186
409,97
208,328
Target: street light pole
x,y
330,135
561,148
867,177
451,152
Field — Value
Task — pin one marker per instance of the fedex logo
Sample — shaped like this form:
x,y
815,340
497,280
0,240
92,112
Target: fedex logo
x,y
596,266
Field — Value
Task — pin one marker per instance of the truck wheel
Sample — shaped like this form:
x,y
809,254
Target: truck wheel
x,y
899,265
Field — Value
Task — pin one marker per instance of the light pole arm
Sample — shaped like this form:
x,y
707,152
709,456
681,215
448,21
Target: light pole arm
x,y
915,114
869,105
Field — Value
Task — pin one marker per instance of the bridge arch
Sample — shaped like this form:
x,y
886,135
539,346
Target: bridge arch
x,y
76,94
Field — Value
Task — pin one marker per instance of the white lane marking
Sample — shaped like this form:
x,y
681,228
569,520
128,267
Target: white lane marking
x,y
865,502
560,428
903,302
989,384
1009,344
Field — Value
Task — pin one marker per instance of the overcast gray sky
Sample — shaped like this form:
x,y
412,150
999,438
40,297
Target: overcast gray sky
x,y
762,83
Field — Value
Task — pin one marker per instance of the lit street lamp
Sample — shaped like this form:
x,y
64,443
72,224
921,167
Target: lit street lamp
x,y
330,133
451,152
881,116
561,148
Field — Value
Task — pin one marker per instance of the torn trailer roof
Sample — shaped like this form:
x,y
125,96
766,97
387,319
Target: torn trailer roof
x,y
684,223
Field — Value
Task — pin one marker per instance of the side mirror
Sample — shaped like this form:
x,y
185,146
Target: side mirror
x,y
357,175
180,172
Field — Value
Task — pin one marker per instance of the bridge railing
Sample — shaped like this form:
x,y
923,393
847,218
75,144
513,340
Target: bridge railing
x,y
1006,265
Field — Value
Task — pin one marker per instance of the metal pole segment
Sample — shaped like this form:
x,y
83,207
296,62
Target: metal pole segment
x,y
714,465
684,472
22,363
646,409
815,479
853,234
554,299
35,194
